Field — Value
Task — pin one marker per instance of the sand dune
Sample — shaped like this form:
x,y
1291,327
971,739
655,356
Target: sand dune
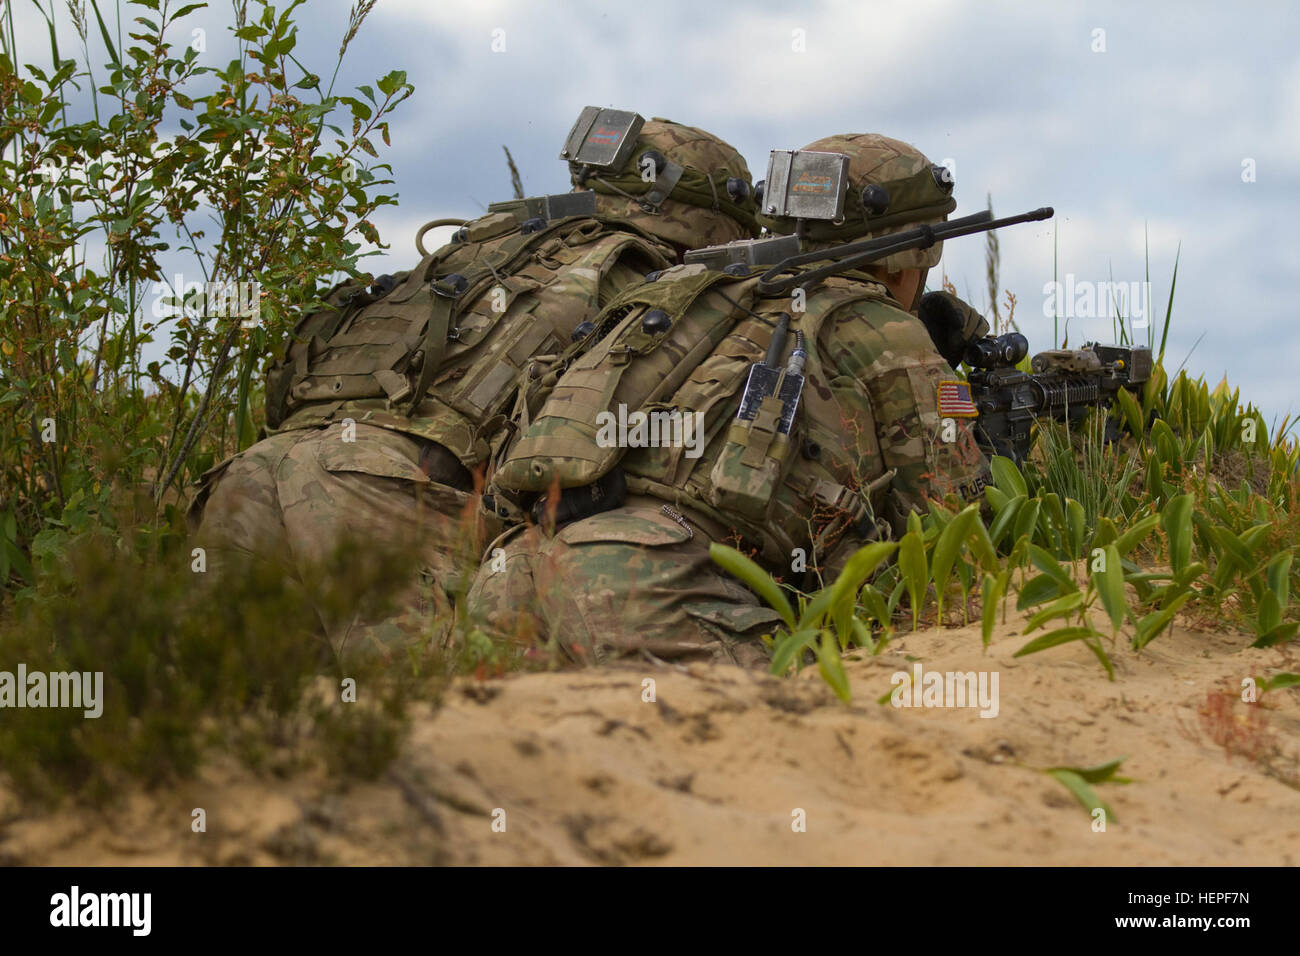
x,y
717,768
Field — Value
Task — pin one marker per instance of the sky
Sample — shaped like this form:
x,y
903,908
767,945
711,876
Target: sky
x,y
1168,130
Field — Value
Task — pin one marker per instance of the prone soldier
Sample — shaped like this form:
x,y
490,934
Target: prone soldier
x,y
803,416
390,403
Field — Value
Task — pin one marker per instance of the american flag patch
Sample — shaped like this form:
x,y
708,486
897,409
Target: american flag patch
x,y
955,401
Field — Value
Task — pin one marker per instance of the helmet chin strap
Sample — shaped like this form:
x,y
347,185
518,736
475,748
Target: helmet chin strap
x,y
920,291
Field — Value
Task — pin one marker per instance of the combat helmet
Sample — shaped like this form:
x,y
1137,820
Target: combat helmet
x,y
676,182
891,187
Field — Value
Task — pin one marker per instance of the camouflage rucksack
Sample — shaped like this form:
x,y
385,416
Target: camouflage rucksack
x,y
438,351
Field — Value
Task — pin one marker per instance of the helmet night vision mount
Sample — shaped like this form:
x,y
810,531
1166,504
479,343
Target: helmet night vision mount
x,y
802,184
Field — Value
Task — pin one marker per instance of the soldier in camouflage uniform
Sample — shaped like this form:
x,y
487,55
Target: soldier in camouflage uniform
x,y
389,404
865,449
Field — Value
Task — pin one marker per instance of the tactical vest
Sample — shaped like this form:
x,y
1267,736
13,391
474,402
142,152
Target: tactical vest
x,y
439,353
776,492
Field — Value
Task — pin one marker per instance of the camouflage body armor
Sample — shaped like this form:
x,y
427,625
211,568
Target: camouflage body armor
x,y
775,490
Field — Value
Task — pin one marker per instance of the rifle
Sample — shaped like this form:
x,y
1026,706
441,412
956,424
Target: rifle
x,y
1064,385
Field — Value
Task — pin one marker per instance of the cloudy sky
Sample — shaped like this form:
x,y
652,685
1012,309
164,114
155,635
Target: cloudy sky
x,y
1145,125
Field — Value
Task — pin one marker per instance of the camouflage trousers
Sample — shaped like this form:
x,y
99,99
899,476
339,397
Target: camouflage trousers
x,y
293,500
616,583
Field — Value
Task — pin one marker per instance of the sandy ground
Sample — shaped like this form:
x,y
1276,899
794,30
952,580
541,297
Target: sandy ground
x,y
581,769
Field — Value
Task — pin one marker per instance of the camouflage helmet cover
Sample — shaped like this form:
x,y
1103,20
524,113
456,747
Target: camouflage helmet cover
x,y
919,193
699,211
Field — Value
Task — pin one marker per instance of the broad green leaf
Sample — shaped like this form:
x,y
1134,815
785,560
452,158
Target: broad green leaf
x,y
1110,586
1279,577
1134,535
1177,521
1046,562
895,596
862,635
1027,519
994,587
1131,410
1280,681
1253,536
832,667
1006,518
1076,520
1098,774
1055,513
947,548
1038,589
1155,622
1155,477
1234,551
759,581
981,546
1269,615
1061,607
911,562
1083,792
788,647
1062,635
860,566
874,602
1106,533
1279,635
1008,477
816,608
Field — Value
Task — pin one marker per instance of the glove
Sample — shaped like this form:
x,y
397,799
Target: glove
x,y
951,324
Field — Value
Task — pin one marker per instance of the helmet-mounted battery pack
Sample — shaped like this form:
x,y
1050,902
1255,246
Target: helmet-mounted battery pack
x,y
602,138
803,184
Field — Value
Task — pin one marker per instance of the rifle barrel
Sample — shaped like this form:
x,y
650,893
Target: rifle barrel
x,y
875,249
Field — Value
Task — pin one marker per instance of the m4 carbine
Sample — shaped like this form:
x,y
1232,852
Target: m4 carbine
x,y
1064,385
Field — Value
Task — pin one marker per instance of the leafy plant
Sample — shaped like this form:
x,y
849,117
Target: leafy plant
x,y
111,173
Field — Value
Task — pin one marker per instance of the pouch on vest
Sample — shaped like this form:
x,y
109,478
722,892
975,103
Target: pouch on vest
x,y
653,338
753,461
